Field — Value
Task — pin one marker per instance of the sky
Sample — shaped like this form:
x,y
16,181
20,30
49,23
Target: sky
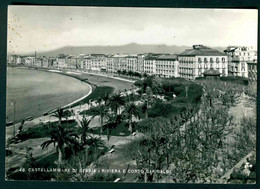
x,y
44,28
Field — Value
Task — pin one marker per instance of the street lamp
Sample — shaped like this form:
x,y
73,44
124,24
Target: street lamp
x,y
13,102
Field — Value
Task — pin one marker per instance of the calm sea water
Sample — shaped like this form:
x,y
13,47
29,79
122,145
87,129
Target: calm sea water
x,y
36,92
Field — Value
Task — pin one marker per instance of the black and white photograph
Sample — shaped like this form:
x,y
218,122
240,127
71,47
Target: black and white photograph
x,y
131,94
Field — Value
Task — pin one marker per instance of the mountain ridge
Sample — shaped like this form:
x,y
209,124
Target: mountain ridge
x,y
132,48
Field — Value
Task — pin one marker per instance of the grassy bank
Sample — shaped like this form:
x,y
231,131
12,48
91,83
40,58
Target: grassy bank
x,y
96,93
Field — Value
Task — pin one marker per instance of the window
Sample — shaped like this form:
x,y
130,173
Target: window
x,y
205,60
211,60
217,60
223,59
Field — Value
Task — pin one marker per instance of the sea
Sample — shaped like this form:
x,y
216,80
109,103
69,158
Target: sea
x,y
32,92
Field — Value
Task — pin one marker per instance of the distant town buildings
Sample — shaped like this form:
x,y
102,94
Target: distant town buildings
x,y
190,64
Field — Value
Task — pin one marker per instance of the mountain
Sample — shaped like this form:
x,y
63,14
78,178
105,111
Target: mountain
x,y
131,48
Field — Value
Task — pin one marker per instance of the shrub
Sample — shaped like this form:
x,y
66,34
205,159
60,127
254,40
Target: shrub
x,y
235,79
160,109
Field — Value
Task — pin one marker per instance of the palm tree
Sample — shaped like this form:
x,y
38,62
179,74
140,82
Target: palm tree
x,y
95,143
113,121
130,111
102,111
72,113
115,102
84,129
105,97
67,114
59,114
60,136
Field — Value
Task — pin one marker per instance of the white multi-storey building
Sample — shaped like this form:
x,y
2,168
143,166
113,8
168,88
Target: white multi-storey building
x,y
140,63
29,61
131,63
94,63
194,62
149,65
167,66
110,64
238,58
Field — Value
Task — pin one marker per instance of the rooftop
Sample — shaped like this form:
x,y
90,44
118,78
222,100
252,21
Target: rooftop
x,y
167,57
200,50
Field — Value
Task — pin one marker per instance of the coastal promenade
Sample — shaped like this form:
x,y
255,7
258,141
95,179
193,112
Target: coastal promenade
x,y
119,84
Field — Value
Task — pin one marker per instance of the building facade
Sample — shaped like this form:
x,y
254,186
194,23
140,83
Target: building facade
x,y
94,63
29,61
15,59
45,62
149,65
167,66
194,62
238,58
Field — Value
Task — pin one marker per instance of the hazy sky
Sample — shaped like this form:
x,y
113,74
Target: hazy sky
x,y
44,28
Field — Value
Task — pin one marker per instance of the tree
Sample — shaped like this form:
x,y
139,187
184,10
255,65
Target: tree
x,y
30,162
130,73
67,114
115,102
105,98
95,143
119,72
102,111
130,111
84,129
245,136
124,72
147,101
59,114
113,121
150,81
149,152
60,136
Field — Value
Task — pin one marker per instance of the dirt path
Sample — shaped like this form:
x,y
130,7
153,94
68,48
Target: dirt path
x,y
118,159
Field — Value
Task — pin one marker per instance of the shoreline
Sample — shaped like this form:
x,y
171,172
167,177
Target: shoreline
x,y
64,106
72,74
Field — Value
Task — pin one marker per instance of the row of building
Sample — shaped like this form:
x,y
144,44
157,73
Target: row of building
x,y
192,63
